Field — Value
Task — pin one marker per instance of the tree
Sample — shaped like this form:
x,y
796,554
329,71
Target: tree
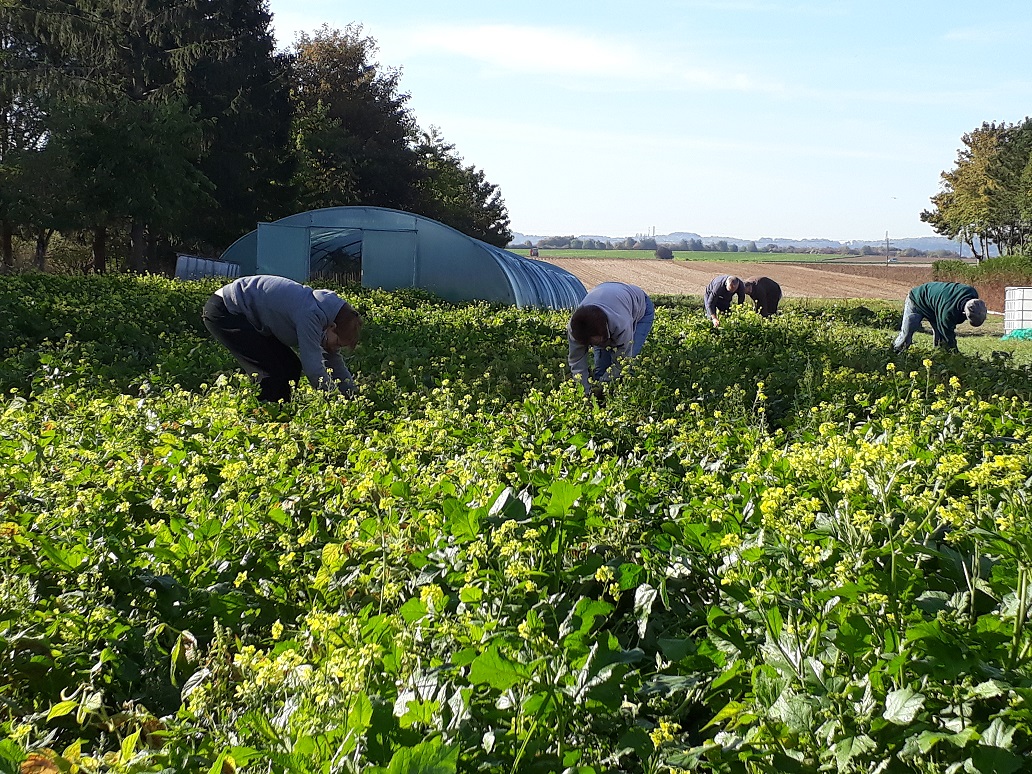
x,y
982,201
127,62
241,95
130,161
22,130
459,195
353,132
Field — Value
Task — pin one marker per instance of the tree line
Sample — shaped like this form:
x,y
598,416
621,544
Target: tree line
x,y
986,199
666,249
142,128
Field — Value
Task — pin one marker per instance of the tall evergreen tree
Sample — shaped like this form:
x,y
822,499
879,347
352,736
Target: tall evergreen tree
x,y
242,95
127,62
22,128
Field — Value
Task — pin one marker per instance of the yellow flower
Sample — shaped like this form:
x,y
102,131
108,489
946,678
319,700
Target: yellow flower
x,y
277,630
664,733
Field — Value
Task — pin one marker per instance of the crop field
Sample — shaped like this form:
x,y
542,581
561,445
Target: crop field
x,y
810,280
778,546
679,255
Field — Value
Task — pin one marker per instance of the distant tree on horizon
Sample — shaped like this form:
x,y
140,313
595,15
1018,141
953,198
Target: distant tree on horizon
x,y
986,199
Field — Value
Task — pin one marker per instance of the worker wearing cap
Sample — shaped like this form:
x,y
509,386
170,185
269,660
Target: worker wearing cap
x,y
945,305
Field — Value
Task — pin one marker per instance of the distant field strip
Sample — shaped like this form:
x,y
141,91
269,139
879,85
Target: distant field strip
x,y
679,255
811,281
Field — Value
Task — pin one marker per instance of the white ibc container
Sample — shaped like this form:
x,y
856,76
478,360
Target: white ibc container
x,y
1017,312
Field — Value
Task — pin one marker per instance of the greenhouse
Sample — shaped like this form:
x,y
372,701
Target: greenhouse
x,y
391,249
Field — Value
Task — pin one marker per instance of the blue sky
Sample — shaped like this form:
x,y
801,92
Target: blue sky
x,y
738,118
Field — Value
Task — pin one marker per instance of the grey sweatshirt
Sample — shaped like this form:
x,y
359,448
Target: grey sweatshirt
x,y
298,316
624,306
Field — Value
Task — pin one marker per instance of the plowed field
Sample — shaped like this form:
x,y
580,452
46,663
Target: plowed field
x,y
825,280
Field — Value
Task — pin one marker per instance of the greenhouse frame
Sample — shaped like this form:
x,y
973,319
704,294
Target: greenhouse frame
x,y
392,249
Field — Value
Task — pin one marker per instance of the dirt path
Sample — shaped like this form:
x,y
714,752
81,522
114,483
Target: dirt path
x,y
796,280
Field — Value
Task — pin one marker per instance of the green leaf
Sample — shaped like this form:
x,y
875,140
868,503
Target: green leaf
x,y
850,747
999,734
471,594
413,610
563,495
431,757
644,596
462,521
902,706
128,748
630,576
67,559
61,708
360,713
494,669
928,739
996,760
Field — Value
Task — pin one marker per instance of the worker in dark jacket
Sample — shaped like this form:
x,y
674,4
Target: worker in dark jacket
x,y
262,319
613,319
719,295
945,305
765,293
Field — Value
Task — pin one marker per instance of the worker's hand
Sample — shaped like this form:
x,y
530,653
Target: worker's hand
x,y
716,322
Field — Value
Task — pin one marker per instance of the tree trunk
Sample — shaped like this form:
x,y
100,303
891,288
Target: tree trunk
x,y
100,249
152,253
7,243
42,242
137,246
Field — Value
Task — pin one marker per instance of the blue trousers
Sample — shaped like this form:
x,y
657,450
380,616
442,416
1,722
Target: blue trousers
x,y
604,357
912,324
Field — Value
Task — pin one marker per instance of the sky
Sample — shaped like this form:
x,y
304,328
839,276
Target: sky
x,y
748,119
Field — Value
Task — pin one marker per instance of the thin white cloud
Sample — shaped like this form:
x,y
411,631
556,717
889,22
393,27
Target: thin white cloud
x,y
568,54
766,6
982,34
563,140
524,49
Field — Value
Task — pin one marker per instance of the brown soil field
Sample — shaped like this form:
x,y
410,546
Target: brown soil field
x,y
824,280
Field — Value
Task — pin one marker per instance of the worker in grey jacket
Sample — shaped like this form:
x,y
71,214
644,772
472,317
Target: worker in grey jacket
x,y
262,319
720,293
614,319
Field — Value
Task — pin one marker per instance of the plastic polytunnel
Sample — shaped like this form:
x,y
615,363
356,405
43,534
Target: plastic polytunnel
x,y
391,249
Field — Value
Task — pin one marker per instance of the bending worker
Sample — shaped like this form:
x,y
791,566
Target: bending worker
x,y
262,319
765,293
614,319
945,305
719,295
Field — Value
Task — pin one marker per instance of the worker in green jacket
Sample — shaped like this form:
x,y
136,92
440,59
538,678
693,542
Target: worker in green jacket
x,y
945,305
